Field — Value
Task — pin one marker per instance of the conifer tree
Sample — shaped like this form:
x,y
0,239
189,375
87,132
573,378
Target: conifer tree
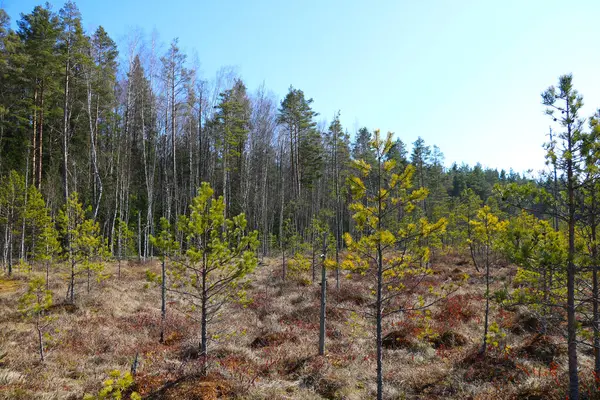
x,y
590,221
33,305
375,252
296,117
562,105
233,118
539,251
287,241
48,247
420,159
72,44
165,243
485,242
39,32
41,230
219,256
86,248
124,242
316,230
100,79
340,158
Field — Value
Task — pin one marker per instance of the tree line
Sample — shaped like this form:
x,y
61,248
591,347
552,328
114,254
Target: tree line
x,y
136,140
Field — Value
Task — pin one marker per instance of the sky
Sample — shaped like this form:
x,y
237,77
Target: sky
x,y
463,75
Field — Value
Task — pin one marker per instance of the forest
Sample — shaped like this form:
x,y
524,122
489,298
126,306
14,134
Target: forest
x,y
167,235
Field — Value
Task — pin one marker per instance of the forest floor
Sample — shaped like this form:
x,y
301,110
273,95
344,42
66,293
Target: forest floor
x,y
268,349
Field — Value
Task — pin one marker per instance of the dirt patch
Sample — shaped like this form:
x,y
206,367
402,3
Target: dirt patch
x,y
350,294
272,339
448,339
324,386
489,367
398,340
293,366
190,351
211,387
541,348
68,308
311,315
525,321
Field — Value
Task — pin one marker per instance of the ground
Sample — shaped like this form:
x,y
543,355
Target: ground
x,y
267,349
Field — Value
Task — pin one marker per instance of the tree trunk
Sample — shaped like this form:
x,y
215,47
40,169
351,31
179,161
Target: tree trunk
x,y
283,269
596,316
596,323
282,175
203,326
225,194
337,213
22,254
139,236
313,254
163,300
72,282
34,136
571,321
322,325
10,248
40,140
40,338
66,134
173,149
487,300
379,300
92,121
264,207
47,275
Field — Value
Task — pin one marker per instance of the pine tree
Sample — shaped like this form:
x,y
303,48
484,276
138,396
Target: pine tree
x,y
485,242
33,305
288,241
48,247
539,251
339,161
39,32
567,157
233,119
167,246
100,79
124,242
219,256
85,246
305,150
41,230
374,252
72,44
591,220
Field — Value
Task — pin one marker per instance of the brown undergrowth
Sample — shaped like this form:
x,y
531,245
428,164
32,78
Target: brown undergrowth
x,y
267,349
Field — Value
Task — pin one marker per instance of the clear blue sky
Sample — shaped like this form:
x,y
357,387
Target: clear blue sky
x,y
464,75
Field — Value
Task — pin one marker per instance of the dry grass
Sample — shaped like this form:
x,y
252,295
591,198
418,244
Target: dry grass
x,y
267,350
